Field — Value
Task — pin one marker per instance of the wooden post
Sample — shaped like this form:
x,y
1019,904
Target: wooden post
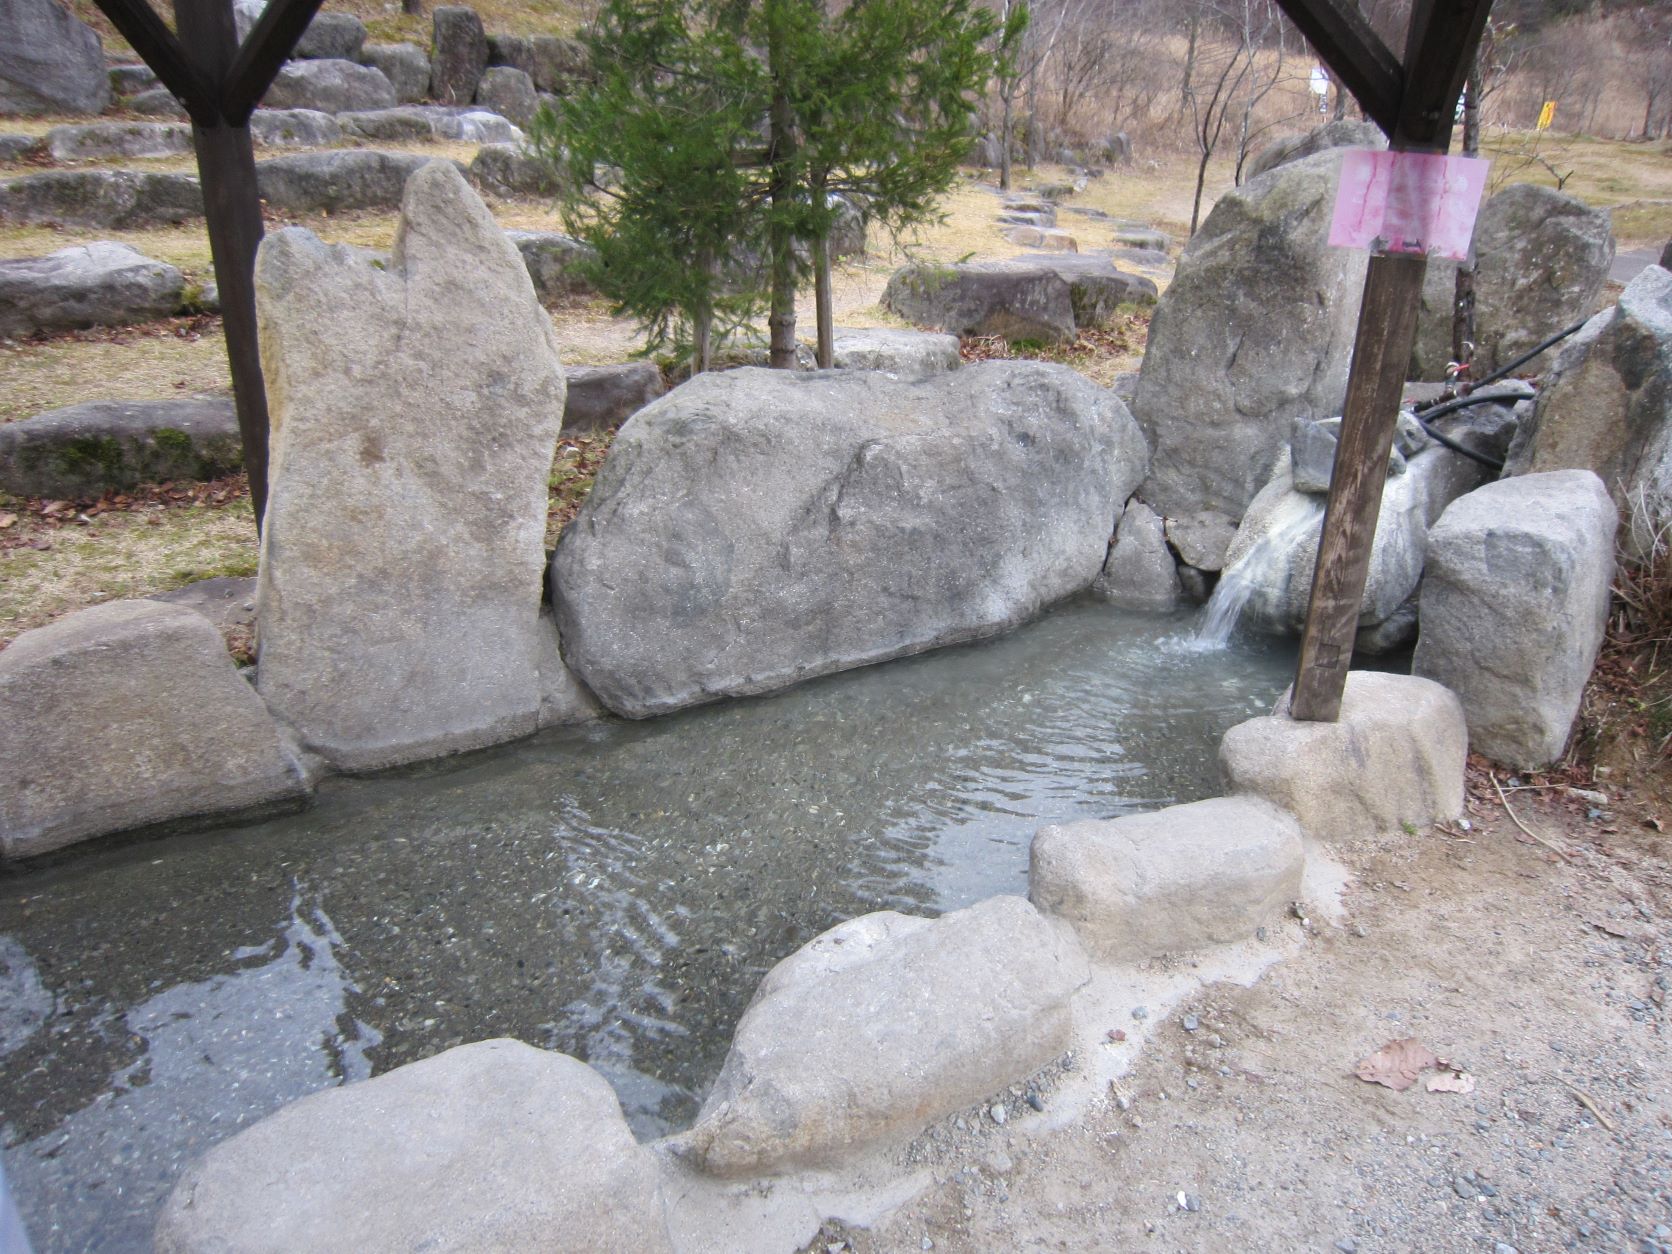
x,y
1381,354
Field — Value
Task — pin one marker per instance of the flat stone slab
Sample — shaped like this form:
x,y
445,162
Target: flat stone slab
x,y
1207,873
225,600
1146,238
865,517
330,182
555,260
1048,238
1514,606
332,86
126,715
1016,302
100,141
86,285
88,449
602,397
878,1027
905,354
294,128
511,172
490,1146
1395,756
120,199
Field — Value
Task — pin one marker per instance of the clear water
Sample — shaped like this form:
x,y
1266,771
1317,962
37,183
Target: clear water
x,y
613,892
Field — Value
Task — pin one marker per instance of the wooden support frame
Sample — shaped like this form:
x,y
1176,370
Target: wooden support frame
x,y
220,83
1440,45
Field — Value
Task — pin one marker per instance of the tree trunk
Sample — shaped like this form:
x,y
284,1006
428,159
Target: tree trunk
x,y
1004,138
826,305
702,324
1463,292
1189,64
412,8
1201,179
781,188
1340,102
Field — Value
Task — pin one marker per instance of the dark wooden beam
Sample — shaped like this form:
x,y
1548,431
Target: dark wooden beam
x,y
271,40
160,50
1439,50
1355,54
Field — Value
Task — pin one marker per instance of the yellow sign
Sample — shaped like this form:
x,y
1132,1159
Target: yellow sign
x,y
1547,115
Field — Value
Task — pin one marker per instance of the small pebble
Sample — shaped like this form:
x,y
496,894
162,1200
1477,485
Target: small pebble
x,y
1504,1247
1192,1203
997,1113
1036,1101
1347,1245
1464,1189
1140,1013
927,1244
1191,1023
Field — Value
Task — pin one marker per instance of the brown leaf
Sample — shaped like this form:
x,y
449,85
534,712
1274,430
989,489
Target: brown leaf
x,y
1451,1082
1397,1064
7,520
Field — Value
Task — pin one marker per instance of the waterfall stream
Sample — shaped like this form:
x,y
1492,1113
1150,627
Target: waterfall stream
x,y
1297,516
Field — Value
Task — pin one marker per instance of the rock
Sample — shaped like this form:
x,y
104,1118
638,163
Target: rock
x,y
1312,444
513,172
330,182
1394,756
1018,303
1256,330
1606,406
119,199
1140,573
847,233
602,397
1047,238
1542,258
1431,353
1145,238
130,80
406,66
515,51
1344,133
245,14
494,1145
332,86
1393,633
100,284
1142,257
84,450
564,700
1098,290
904,354
100,141
402,124
225,600
1201,538
882,1025
294,128
332,37
1181,878
158,102
1031,204
559,63
1054,191
555,261
1514,604
458,54
18,147
477,126
405,448
50,61
126,715
508,92
1042,220
843,518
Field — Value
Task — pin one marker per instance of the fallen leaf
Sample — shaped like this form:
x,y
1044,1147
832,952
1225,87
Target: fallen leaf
x,y
1397,1064
7,520
1452,1082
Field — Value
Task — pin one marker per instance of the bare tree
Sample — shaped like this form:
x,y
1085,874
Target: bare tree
x,y
1230,62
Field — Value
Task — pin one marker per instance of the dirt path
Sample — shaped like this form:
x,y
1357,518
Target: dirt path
x,y
1541,978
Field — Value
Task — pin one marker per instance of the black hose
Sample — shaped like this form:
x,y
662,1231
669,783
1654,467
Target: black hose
x,y
1440,409
1520,361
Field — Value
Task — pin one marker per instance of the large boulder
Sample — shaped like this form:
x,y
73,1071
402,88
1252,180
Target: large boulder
x,y
1344,133
101,284
881,1025
758,527
408,483
331,86
604,397
559,63
87,449
508,92
555,261
333,37
50,61
126,715
1606,406
402,124
100,141
130,80
458,54
157,102
121,199
515,51
908,354
1255,330
294,128
1514,605
406,66
1017,302
1431,352
513,172
1097,289
1542,257
1144,885
490,1146
1395,756
329,182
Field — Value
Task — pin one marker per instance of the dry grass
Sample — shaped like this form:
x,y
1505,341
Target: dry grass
x,y
1635,180
123,555
134,364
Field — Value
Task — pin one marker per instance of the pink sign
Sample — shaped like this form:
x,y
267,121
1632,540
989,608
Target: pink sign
x,y
1408,202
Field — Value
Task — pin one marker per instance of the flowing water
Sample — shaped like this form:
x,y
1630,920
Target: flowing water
x,y
1297,517
614,892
